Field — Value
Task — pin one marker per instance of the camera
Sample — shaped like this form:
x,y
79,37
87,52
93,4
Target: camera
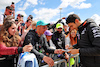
x,y
12,2
22,24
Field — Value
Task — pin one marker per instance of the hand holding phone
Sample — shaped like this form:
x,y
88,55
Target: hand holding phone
x,y
22,24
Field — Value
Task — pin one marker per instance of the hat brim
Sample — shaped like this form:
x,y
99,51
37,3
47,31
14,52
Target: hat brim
x,y
60,27
45,24
42,24
50,34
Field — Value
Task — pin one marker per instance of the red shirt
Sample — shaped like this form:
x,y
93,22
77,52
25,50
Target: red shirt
x,y
8,50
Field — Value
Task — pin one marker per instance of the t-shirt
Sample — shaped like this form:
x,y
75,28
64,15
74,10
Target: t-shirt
x,y
67,41
1,19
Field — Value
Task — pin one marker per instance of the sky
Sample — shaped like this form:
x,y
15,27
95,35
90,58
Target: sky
x,y
49,10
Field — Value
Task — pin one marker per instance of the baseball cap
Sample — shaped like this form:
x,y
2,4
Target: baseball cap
x,y
9,7
48,33
20,15
41,22
31,16
59,25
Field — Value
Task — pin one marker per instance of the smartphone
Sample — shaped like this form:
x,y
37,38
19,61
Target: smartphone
x,y
22,24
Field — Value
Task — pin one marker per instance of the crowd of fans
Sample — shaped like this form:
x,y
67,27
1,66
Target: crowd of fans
x,y
42,39
17,34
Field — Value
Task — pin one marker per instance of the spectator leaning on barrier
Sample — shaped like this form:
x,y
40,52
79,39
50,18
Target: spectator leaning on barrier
x,y
58,39
48,37
38,40
88,40
51,45
9,44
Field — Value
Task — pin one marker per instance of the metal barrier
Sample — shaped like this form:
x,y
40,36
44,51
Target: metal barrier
x,y
76,56
57,62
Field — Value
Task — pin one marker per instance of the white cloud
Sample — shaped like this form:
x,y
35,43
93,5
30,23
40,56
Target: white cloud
x,y
48,14
96,17
34,2
21,3
1,12
28,3
75,4
70,13
45,14
25,6
82,5
4,3
41,2
21,12
64,4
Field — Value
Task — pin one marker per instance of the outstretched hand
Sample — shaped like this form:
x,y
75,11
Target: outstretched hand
x,y
59,51
74,51
27,48
48,60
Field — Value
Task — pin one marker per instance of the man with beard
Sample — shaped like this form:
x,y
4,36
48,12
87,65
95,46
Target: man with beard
x,y
58,37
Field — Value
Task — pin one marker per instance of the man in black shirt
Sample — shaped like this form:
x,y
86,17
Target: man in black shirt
x,y
58,37
88,40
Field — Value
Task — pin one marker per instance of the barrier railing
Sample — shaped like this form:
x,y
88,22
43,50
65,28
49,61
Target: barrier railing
x,y
58,61
76,57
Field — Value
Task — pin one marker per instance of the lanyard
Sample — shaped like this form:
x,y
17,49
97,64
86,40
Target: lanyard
x,y
22,56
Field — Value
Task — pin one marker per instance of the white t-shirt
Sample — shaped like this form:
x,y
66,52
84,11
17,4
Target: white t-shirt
x,y
52,45
1,19
67,41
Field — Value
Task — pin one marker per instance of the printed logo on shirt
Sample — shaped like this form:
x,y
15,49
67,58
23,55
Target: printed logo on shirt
x,y
78,35
83,32
96,32
60,42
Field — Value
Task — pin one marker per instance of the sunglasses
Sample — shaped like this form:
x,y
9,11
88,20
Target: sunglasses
x,y
59,28
10,12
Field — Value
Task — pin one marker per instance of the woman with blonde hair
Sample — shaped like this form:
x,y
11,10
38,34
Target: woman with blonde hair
x,y
73,37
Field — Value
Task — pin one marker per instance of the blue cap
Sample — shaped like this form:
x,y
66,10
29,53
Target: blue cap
x,y
41,22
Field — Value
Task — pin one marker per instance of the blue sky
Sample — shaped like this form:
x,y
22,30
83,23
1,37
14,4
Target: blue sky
x,y
49,11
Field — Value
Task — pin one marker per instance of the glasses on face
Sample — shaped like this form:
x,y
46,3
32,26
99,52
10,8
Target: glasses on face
x,y
45,27
29,22
59,28
10,12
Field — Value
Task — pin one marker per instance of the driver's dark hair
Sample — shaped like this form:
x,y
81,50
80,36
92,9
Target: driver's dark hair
x,y
71,18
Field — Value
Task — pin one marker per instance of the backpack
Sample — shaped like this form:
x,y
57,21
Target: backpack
x,y
27,59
